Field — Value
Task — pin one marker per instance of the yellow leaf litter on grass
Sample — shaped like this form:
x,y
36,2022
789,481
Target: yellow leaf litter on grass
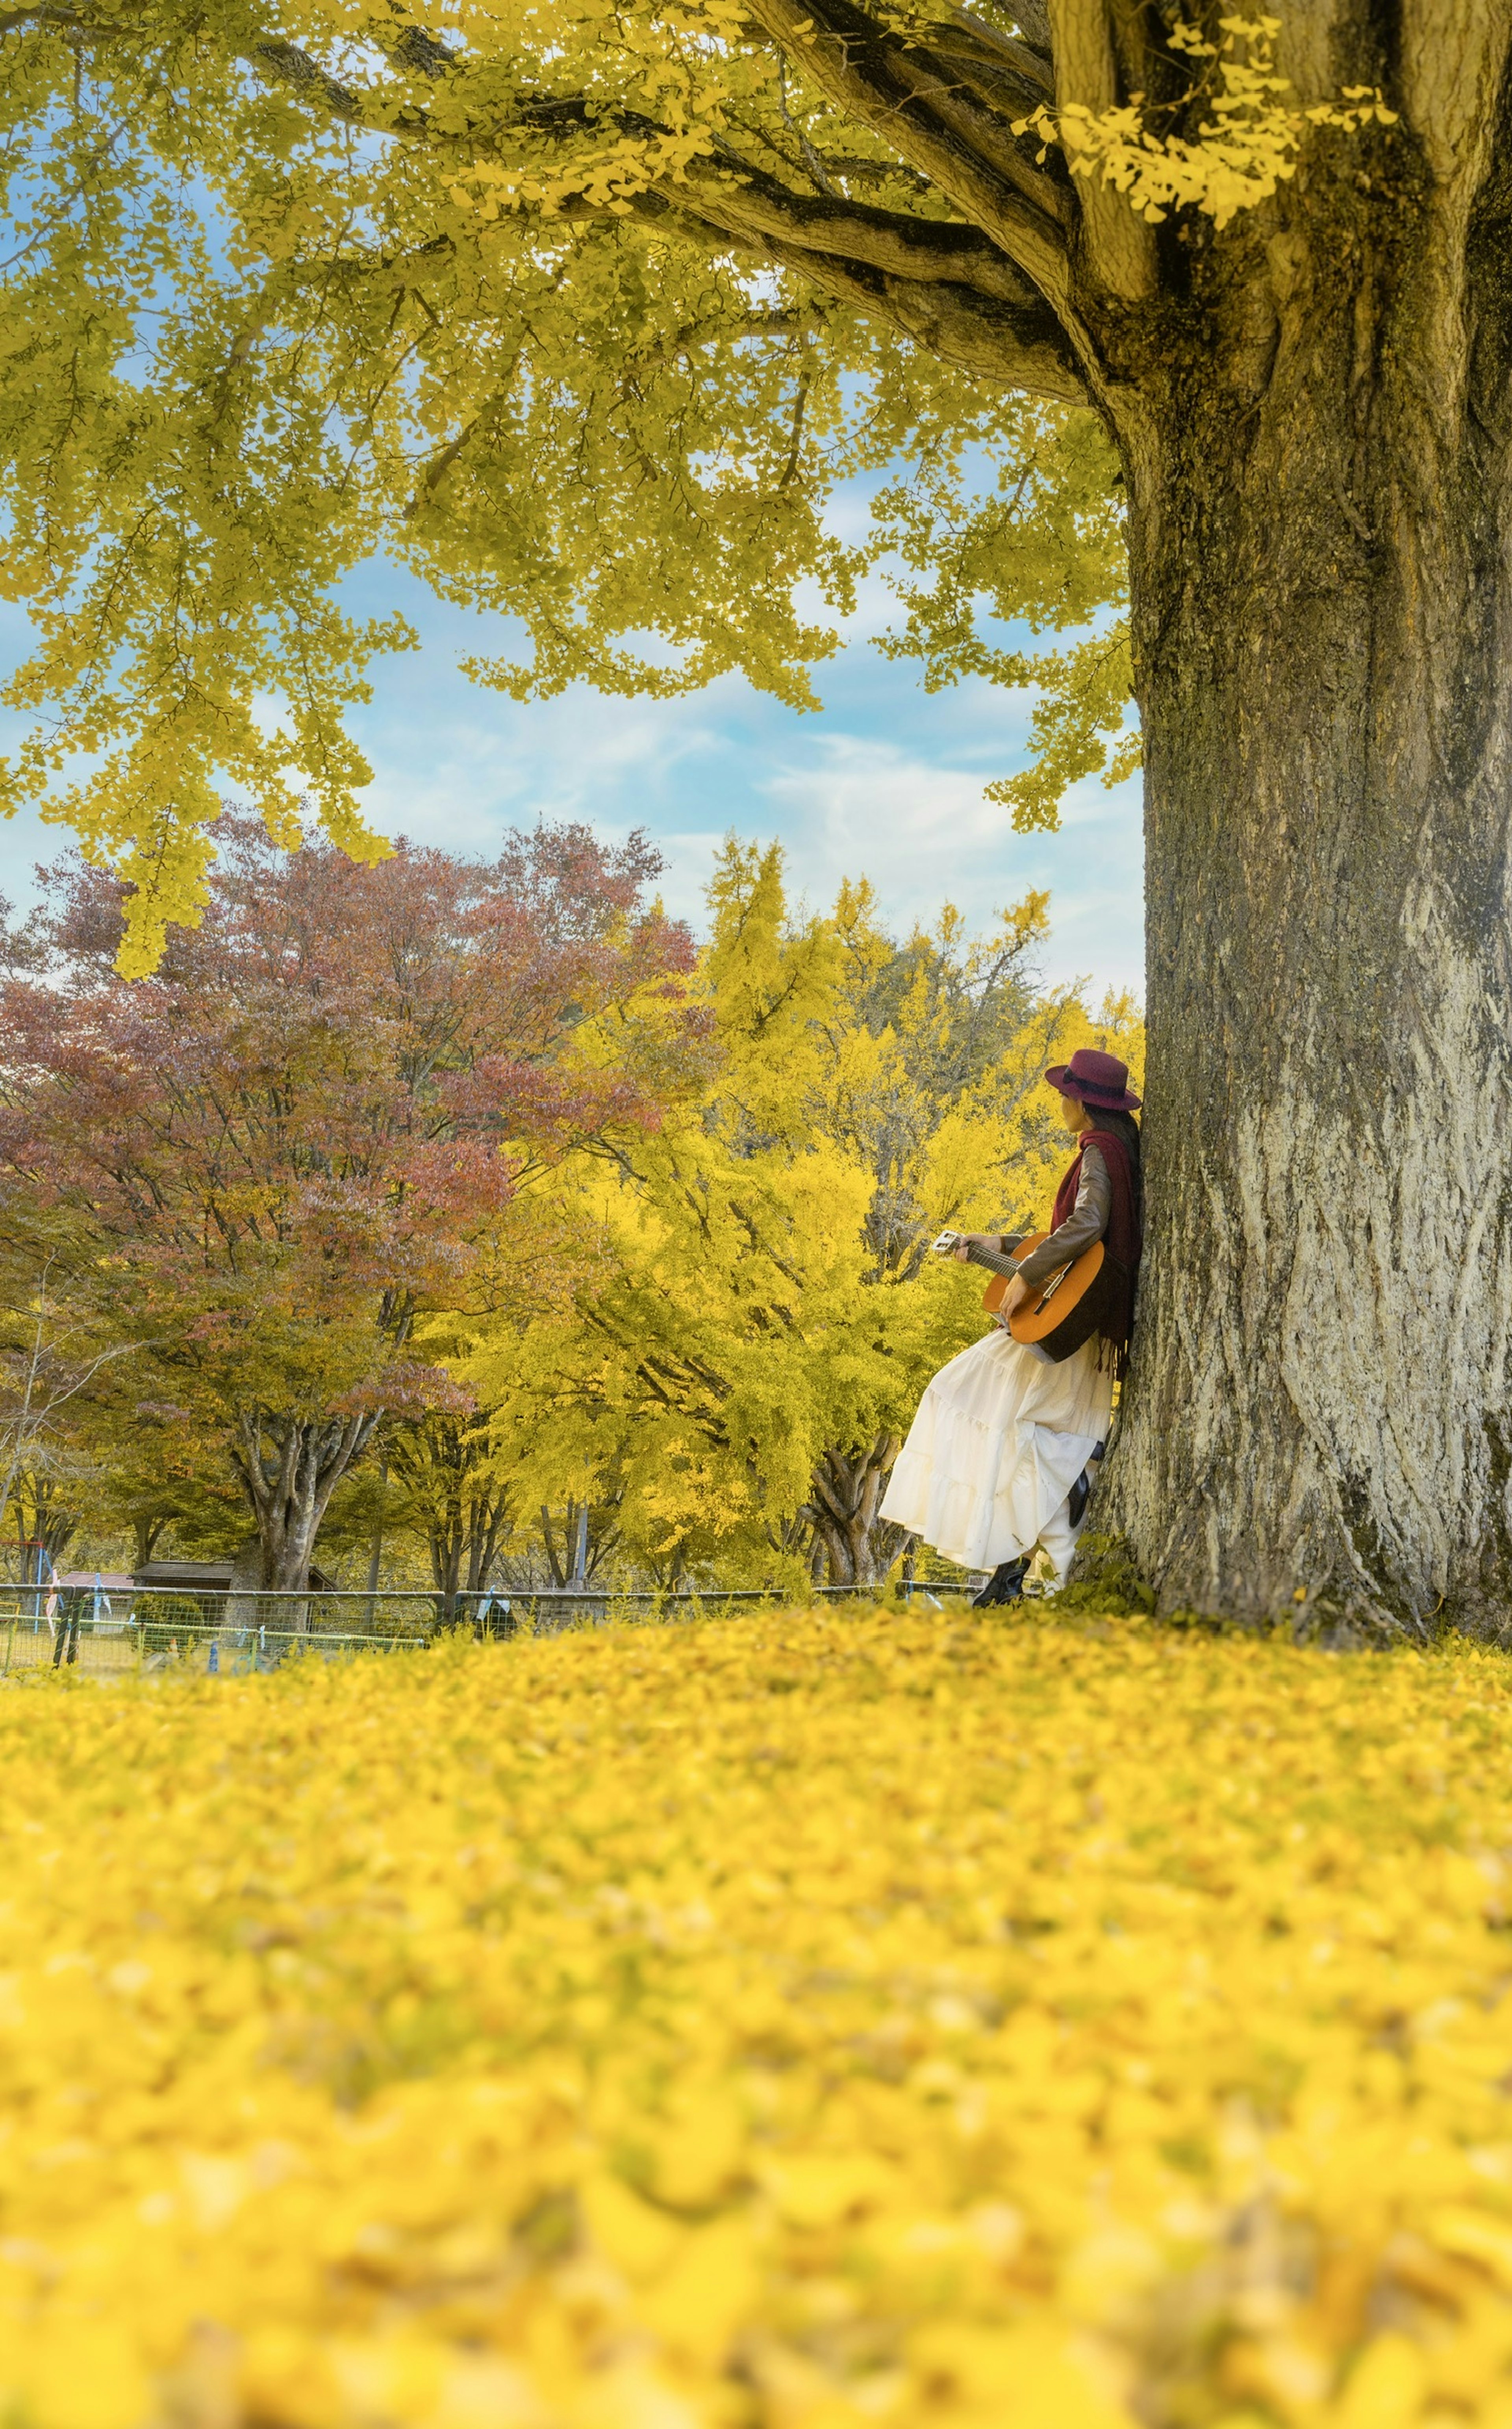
x,y
808,2022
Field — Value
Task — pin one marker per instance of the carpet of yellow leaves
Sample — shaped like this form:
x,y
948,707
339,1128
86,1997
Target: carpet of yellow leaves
x,y
811,2022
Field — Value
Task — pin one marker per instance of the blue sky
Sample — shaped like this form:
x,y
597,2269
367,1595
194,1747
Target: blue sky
x,y
886,782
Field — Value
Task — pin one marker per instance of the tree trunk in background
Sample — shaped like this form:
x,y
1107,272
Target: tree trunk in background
x,y
842,1509
375,1556
244,1607
1321,521
447,1549
288,1468
491,1523
147,1533
464,1546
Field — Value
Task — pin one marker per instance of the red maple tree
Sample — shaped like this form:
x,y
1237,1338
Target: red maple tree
x,y
299,1132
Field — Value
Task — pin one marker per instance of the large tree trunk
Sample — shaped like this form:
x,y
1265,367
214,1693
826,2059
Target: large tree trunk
x,y
1321,518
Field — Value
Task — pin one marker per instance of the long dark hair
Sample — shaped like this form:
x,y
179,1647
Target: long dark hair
x,y
1126,1131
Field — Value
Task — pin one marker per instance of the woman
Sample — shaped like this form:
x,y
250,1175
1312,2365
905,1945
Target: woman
x,y
996,1459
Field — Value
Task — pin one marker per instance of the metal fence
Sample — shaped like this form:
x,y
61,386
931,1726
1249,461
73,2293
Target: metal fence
x,y
157,1628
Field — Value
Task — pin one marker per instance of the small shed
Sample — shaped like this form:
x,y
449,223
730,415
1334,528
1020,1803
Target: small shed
x,y
208,1577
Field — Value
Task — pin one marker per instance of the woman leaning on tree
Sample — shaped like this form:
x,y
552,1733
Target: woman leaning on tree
x,y
997,1459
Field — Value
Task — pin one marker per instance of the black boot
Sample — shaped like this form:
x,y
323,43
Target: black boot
x,y
1077,1498
1005,1585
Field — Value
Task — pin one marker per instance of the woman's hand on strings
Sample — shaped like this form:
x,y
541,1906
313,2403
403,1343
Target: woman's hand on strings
x,y
1018,1290
1013,1298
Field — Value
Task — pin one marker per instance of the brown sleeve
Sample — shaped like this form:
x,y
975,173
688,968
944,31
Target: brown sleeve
x,y
1086,1222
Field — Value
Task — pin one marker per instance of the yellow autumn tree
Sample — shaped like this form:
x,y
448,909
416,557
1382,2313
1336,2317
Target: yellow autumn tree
x,y
735,1375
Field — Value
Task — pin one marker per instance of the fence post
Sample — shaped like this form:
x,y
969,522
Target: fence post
x,y
580,1552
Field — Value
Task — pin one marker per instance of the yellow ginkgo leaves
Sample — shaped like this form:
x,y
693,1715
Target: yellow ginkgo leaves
x,y
803,2023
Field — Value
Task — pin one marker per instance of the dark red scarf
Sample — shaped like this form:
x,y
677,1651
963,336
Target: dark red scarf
x,y
1123,1237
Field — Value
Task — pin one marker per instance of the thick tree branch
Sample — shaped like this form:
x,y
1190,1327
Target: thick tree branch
x,y
890,241
1024,346
869,72
286,63
1025,349
1454,57
1010,64
1120,248
66,20
1033,24
875,172
421,52
984,132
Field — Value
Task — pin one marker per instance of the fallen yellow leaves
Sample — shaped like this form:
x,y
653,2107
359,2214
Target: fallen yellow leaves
x,y
810,2022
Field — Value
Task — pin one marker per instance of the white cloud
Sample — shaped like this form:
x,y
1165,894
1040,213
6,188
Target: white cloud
x,y
925,835
859,805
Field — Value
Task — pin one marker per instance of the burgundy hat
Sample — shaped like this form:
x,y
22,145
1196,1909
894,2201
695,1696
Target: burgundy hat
x,y
1100,1081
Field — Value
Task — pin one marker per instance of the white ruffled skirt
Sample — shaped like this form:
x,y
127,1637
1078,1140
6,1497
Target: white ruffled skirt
x,y
998,1439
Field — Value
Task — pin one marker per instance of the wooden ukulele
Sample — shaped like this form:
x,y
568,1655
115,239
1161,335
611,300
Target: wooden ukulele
x,y
1060,1313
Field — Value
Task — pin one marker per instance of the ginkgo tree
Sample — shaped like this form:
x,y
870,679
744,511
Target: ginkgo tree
x,y
581,308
